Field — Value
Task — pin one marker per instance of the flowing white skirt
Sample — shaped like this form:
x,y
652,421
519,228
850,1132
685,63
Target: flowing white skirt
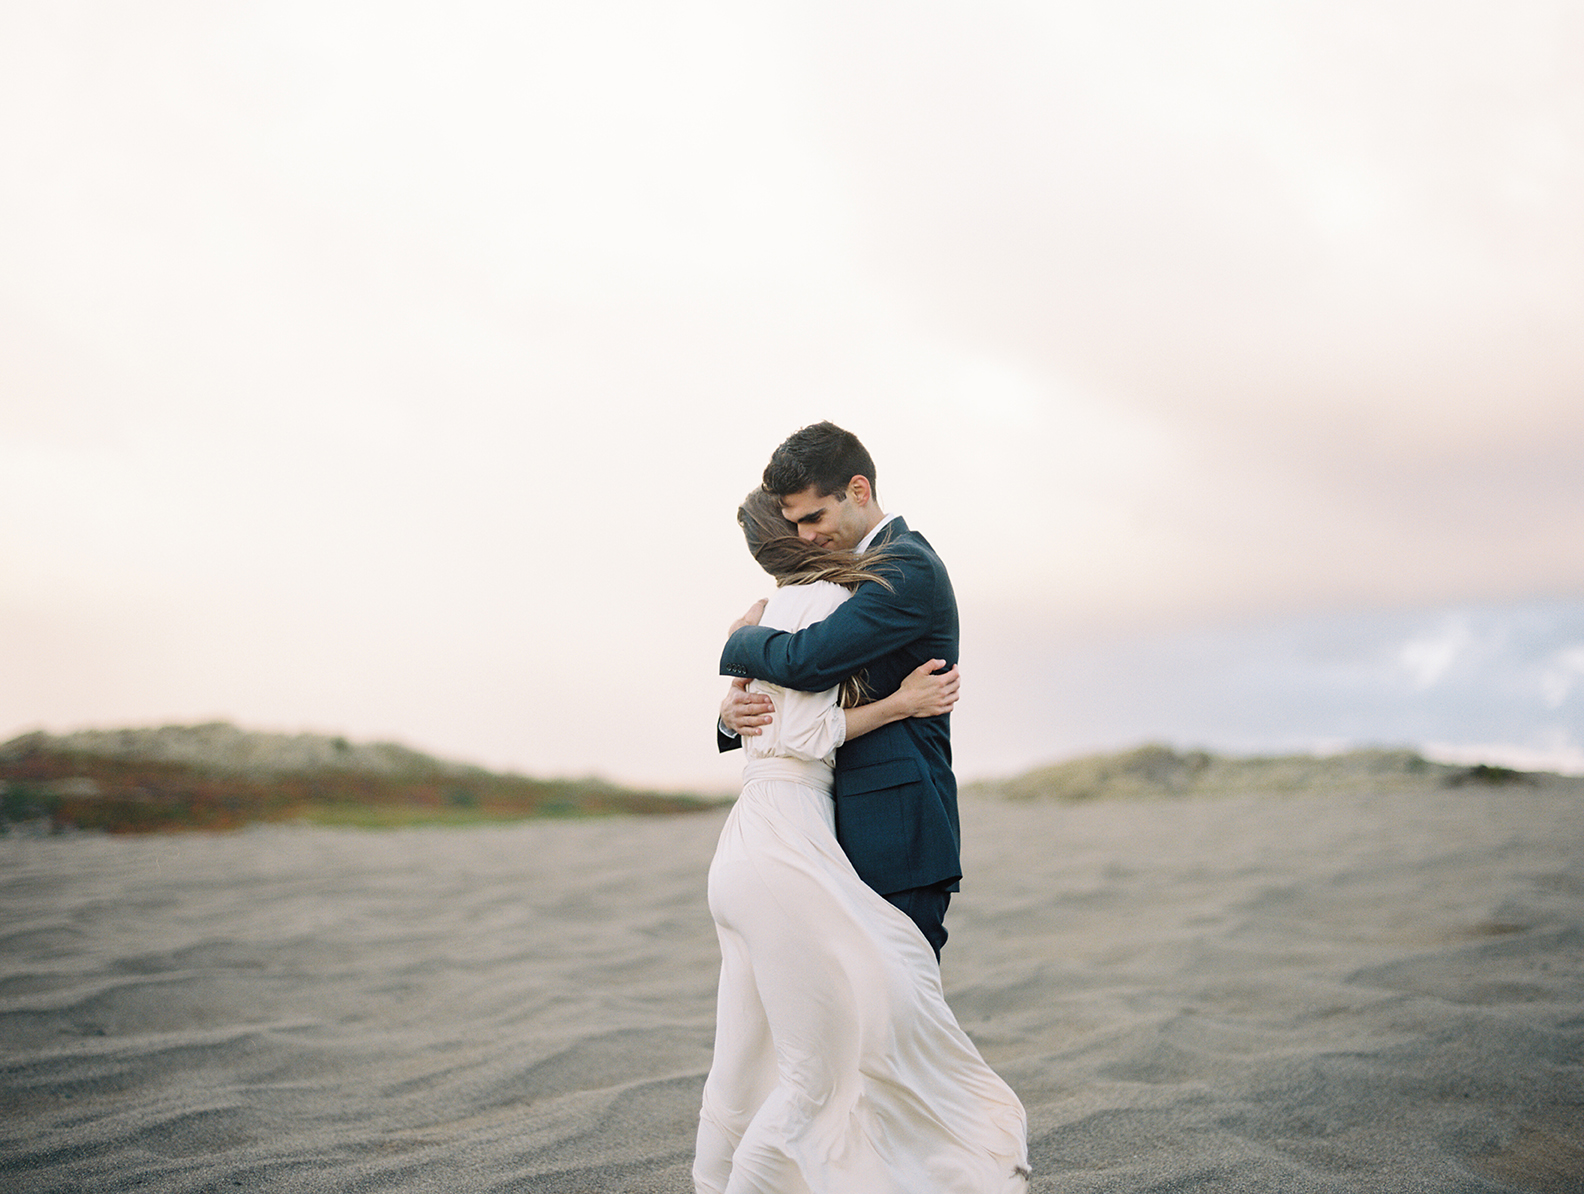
x,y
839,1068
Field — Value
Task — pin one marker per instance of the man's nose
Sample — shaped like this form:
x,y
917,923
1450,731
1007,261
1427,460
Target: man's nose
x,y
806,532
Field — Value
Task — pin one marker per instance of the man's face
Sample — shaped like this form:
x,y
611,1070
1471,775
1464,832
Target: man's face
x,y
825,521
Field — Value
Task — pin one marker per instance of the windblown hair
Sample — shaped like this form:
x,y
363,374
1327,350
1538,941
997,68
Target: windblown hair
x,y
773,541
821,455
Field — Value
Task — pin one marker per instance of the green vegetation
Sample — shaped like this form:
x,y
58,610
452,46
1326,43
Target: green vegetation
x,y
217,777
67,789
1156,772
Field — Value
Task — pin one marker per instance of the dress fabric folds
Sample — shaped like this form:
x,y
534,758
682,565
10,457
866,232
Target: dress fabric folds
x,y
838,1067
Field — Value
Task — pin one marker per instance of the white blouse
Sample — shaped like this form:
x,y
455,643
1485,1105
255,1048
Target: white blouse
x,y
805,725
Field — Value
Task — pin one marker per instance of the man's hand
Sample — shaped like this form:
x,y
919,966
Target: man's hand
x,y
751,618
924,694
743,712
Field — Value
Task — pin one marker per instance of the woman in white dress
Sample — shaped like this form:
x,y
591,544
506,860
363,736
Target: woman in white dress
x,y
838,1068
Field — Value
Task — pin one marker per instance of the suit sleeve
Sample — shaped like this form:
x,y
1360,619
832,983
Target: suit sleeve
x,y
799,605
871,625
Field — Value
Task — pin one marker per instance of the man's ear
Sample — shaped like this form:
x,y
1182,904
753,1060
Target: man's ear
x,y
858,487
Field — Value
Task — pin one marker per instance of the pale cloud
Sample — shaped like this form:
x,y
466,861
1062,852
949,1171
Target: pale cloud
x,y
1562,674
1427,658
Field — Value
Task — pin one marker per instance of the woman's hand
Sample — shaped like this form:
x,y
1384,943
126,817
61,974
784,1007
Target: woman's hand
x,y
924,694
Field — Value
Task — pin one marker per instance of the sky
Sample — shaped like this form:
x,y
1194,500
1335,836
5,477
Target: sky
x,y
395,370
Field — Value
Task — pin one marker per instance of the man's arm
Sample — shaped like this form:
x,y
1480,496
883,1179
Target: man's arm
x,y
871,624
742,712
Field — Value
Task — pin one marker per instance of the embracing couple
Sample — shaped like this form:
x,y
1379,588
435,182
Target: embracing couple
x,y
838,1065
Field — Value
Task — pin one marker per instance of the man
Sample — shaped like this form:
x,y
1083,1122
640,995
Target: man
x,y
896,797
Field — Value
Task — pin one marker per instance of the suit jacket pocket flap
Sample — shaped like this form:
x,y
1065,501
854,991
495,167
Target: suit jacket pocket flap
x,y
875,777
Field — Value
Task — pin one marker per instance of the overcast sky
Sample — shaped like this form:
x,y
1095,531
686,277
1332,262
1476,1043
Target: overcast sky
x,y
395,369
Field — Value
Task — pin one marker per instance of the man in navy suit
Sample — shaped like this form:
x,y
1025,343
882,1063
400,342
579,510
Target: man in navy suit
x,y
896,797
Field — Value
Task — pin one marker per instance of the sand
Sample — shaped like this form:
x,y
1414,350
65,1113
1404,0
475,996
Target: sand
x,y
1312,993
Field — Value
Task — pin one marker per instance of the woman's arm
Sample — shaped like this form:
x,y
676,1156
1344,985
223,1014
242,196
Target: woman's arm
x,y
923,694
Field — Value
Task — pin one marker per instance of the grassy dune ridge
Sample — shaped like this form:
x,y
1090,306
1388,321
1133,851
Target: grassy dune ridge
x,y
218,777
1156,772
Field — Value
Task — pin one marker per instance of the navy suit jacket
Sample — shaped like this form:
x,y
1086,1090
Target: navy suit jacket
x,y
896,796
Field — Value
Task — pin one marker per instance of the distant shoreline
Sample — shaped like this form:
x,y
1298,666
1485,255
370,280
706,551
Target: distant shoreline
x,y
1154,772
216,777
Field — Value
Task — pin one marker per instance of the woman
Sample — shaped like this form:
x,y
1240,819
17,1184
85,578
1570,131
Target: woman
x,y
838,1065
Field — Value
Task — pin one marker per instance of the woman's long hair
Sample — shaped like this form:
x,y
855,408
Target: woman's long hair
x,y
773,541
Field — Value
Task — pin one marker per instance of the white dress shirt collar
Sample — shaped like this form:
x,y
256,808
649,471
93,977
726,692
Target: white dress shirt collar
x,y
863,544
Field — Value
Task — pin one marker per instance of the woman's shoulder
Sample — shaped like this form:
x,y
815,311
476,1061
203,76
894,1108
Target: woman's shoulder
x,y
792,607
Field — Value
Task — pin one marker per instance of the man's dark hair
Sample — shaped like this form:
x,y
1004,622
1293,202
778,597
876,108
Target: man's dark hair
x,y
821,455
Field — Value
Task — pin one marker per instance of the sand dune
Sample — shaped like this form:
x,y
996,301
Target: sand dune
x,y
1319,992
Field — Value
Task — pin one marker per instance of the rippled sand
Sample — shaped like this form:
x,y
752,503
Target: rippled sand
x,y
1344,993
